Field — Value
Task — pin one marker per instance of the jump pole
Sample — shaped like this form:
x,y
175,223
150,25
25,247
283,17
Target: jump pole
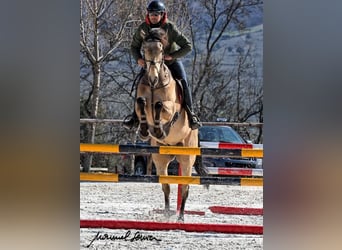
x,y
189,227
236,210
170,179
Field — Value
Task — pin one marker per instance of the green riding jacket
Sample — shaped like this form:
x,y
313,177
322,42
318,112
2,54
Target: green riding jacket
x,y
178,46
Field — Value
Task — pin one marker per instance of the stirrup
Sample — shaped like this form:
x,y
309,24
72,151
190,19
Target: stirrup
x,y
130,122
195,122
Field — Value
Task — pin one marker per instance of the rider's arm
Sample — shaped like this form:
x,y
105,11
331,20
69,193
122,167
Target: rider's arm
x,y
184,45
136,44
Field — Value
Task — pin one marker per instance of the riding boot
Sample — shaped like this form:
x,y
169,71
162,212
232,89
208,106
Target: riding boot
x,y
194,121
131,121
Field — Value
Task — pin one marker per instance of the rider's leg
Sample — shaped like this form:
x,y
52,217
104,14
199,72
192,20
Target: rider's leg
x,y
132,121
193,119
178,72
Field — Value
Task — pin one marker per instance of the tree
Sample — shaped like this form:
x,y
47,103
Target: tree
x,y
226,82
102,30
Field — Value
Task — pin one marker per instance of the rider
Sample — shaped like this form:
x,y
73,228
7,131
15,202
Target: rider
x,y
157,18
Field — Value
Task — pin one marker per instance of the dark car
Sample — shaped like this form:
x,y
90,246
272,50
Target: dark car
x,y
212,136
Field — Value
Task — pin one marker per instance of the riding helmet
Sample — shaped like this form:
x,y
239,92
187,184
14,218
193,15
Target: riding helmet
x,y
156,6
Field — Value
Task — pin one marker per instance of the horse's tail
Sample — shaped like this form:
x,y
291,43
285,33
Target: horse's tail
x,y
201,169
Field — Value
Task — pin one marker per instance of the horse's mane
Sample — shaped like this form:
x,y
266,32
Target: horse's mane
x,y
157,34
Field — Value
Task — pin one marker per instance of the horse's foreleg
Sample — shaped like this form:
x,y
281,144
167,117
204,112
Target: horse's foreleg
x,y
185,193
143,123
158,130
166,190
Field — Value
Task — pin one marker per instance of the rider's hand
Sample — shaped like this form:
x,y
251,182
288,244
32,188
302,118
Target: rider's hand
x,y
141,62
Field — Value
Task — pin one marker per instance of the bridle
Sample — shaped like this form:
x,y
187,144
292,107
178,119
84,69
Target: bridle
x,y
149,63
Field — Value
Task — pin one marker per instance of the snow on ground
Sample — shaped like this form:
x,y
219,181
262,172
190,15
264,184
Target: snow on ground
x,y
136,201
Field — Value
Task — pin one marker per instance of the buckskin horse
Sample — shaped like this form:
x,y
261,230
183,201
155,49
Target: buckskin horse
x,y
162,117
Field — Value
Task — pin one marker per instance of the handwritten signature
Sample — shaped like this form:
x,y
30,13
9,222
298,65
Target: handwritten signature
x,y
126,237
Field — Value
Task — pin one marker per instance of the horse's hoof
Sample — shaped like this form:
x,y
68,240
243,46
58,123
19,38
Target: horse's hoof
x,y
168,213
180,218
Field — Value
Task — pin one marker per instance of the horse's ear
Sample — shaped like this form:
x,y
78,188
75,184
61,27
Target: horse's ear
x,y
143,34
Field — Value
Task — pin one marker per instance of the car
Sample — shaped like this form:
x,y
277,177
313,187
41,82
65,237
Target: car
x,y
212,135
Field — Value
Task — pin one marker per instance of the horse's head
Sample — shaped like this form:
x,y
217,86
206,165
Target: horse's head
x,y
153,45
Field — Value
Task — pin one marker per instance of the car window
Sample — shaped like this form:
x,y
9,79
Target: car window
x,y
219,134
228,135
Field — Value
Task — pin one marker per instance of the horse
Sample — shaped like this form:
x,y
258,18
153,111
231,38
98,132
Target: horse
x,y
163,119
